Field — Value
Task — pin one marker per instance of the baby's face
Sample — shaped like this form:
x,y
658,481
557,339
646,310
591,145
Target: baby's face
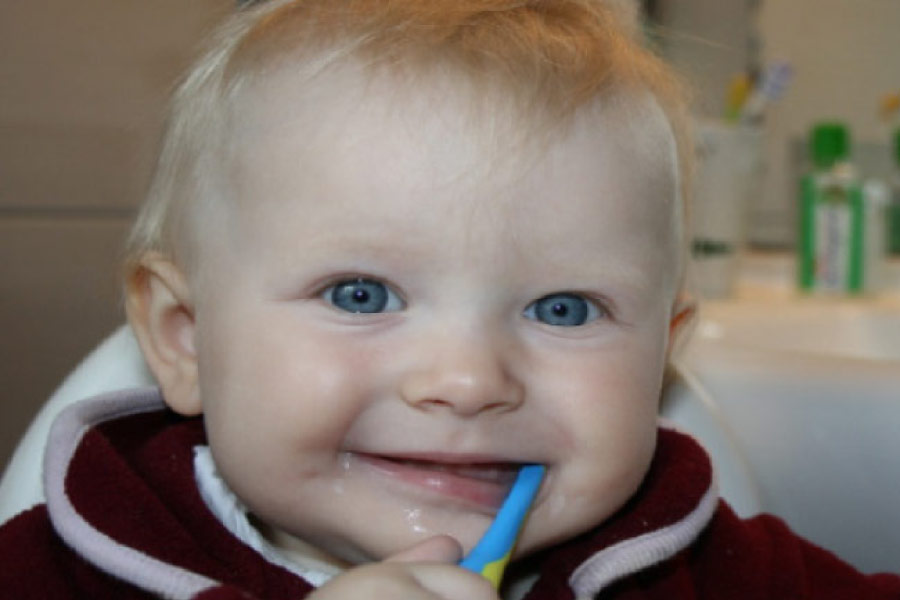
x,y
397,317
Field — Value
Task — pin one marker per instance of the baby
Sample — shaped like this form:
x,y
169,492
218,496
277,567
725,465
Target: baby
x,y
395,250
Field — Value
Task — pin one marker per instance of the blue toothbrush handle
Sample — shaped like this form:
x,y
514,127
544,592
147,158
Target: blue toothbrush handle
x,y
490,556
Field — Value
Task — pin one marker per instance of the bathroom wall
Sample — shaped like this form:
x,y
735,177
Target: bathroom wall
x,y
84,85
845,58
708,41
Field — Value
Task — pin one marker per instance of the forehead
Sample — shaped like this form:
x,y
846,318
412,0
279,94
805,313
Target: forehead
x,y
305,110
383,139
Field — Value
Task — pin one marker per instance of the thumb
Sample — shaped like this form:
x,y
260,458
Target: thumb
x,y
440,549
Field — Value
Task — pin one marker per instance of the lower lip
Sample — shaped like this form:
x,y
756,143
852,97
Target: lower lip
x,y
486,495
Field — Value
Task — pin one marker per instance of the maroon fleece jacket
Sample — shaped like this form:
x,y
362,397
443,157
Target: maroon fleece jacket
x,y
124,519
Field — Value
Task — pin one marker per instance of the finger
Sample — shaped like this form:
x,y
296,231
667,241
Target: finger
x,y
409,581
439,549
449,582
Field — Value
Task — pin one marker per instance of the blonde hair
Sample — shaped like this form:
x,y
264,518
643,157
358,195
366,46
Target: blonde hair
x,y
552,57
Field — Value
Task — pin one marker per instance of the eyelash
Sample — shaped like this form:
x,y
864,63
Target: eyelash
x,y
361,294
369,295
584,311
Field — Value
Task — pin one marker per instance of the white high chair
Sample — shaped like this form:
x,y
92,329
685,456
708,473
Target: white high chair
x,y
117,363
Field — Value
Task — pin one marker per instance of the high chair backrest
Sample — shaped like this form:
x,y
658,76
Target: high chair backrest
x,y
115,364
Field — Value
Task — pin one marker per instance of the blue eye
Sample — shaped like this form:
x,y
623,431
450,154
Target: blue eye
x,y
563,310
362,296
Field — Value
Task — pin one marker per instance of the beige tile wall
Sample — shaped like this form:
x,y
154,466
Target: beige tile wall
x,y
84,86
844,56
58,296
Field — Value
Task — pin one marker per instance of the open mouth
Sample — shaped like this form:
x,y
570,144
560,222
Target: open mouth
x,y
483,484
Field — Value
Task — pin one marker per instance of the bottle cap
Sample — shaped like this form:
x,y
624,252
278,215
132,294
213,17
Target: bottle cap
x,y
829,143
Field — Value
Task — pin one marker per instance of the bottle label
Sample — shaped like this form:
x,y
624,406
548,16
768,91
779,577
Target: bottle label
x,y
832,239
831,235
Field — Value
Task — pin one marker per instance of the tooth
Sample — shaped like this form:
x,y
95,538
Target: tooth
x,y
483,472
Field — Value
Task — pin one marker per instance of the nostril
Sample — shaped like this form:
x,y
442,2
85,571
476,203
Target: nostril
x,y
433,403
470,403
466,381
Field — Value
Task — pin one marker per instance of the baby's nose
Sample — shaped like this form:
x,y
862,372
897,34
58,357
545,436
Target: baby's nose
x,y
465,375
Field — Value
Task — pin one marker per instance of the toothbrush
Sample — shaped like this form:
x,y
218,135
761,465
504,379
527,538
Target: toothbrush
x,y
490,556
774,83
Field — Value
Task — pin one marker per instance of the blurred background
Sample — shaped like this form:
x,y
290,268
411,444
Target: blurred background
x,y
83,91
844,60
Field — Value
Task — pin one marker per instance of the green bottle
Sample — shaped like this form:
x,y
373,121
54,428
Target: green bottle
x,y
831,244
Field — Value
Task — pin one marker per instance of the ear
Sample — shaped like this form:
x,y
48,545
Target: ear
x,y
684,312
161,313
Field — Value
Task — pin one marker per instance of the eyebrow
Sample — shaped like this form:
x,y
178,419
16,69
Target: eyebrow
x,y
375,245
366,242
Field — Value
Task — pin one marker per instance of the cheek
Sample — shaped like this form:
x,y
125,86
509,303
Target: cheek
x,y
279,406
624,406
284,390
609,403
613,423
619,384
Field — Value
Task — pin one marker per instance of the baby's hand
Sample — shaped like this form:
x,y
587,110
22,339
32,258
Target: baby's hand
x,y
427,571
